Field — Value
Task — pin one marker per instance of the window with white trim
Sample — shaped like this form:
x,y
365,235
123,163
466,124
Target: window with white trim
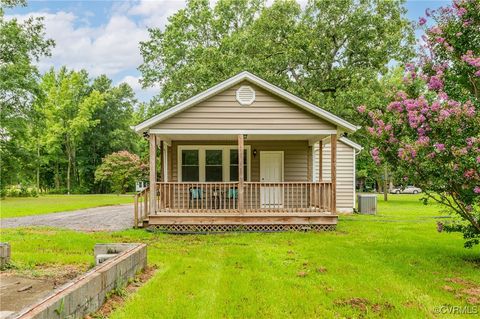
x,y
190,165
211,163
234,165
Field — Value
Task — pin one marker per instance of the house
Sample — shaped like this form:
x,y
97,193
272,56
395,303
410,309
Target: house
x,y
246,154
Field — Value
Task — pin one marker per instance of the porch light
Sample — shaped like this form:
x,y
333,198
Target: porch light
x,y
245,136
254,153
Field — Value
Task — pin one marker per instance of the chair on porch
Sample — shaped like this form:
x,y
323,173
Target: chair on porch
x,y
196,196
232,198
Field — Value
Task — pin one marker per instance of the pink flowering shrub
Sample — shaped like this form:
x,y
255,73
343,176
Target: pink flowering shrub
x,y
121,170
431,132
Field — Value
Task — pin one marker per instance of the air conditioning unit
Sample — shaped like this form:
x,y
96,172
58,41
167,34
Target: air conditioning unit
x,y
367,204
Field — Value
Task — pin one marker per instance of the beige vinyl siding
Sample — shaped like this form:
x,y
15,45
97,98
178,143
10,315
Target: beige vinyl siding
x,y
223,111
295,157
345,173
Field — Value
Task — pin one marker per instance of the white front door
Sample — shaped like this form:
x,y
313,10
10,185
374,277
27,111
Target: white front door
x,y
271,171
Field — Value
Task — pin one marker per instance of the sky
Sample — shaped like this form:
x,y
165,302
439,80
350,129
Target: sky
x,y
103,36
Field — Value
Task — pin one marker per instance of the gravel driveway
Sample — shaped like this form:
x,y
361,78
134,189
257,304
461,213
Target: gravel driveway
x,y
116,217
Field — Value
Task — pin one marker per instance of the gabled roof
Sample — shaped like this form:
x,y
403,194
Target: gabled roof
x,y
246,76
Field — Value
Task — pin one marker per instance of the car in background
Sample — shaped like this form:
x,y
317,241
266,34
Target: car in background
x,y
407,190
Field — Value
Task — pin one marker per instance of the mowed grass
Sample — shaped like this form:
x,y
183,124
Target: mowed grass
x,y
26,206
393,265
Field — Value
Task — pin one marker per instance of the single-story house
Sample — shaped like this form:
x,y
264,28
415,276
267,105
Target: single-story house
x,y
246,154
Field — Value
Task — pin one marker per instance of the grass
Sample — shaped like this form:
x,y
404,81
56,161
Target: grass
x,y
393,265
26,206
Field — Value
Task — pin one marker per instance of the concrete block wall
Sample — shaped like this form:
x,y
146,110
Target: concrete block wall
x,y
87,293
4,254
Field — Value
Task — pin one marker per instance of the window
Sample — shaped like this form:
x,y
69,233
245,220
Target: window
x,y
190,166
234,165
213,165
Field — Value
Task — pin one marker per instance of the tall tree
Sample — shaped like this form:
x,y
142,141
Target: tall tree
x,y
68,109
112,134
21,45
322,53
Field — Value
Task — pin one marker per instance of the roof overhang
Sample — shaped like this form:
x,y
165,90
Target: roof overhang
x,y
351,143
246,76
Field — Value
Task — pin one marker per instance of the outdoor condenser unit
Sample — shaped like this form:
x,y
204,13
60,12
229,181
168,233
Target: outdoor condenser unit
x,y
367,203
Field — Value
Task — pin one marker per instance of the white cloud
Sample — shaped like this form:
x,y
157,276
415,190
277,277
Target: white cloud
x,y
155,13
142,94
107,49
111,48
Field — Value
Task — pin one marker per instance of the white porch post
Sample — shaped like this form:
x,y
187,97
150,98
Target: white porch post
x,y
153,174
333,161
240,172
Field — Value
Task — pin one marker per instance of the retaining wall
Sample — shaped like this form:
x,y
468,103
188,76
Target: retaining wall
x,y
87,293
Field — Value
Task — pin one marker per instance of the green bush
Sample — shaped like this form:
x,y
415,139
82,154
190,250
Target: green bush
x,y
58,191
19,191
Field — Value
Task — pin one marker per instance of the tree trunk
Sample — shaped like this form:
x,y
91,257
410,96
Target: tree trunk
x,y
385,184
38,167
68,173
57,177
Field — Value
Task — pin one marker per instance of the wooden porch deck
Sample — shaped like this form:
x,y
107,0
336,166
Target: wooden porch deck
x,y
215,207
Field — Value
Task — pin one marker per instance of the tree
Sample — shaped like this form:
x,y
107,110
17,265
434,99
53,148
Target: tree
x,y
319,53
431,131
111,134
21,44
67,108
121,169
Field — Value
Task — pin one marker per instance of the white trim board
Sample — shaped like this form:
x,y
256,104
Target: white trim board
x,y
350,143
246,76
237,132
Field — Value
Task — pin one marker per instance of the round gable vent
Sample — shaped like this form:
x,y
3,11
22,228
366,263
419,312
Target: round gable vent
x,y
245,95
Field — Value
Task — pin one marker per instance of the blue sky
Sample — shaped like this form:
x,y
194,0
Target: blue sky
x,y
102,36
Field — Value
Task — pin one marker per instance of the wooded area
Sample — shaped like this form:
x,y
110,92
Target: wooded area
x,y
57,126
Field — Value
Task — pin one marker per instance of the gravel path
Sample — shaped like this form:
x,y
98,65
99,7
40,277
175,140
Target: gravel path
x,y
109,218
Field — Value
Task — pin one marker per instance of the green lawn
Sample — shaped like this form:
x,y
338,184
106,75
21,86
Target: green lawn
x,y
25,206
393,265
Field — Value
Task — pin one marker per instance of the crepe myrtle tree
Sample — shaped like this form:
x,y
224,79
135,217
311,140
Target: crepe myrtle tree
x,y
431,130
121,170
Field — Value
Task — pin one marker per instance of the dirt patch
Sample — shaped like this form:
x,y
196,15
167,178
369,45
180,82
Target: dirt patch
x,y
411,304
321,270
464,289
364,305
117,298
17,292
19,289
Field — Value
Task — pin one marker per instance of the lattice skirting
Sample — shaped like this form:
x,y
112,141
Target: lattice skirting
x,y
188,229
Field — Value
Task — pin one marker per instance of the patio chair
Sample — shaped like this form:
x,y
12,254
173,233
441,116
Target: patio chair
x,y
196,196
232,198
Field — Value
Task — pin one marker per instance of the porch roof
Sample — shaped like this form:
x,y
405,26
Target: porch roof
x,y
313,136
246,76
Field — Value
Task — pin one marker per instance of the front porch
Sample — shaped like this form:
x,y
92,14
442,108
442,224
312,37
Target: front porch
x,y
261,197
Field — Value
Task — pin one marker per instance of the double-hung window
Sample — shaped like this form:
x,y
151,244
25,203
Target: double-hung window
x,y
190,166
211,163
234,165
